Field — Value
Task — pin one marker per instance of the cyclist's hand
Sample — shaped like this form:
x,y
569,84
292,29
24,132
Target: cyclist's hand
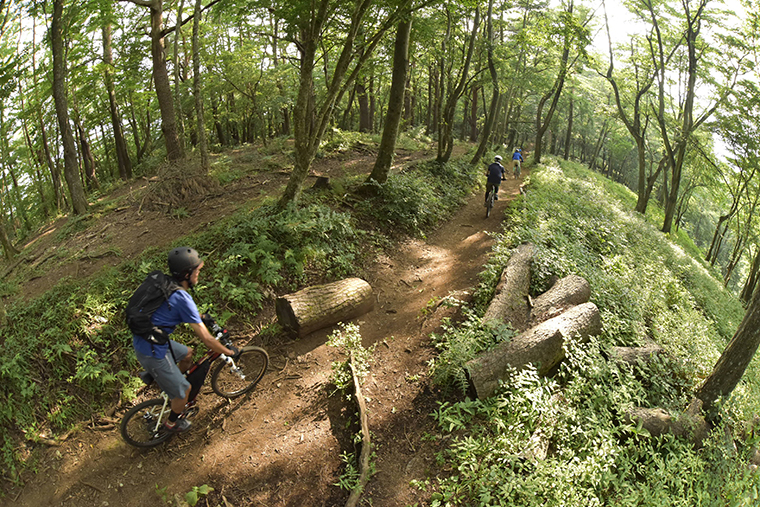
x,y
235,351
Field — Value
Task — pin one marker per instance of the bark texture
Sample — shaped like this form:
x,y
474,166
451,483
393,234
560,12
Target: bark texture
x,y
510,304
70,164
567,292
634,355
541,345
395,104
730,368
657,422
320,306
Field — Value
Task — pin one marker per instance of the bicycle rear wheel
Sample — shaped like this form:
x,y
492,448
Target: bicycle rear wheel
x,y
251,365
489,205
143,424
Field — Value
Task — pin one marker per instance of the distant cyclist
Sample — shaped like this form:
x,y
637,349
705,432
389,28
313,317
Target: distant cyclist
x,y
517,159
495,175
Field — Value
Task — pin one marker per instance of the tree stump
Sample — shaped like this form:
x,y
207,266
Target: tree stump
x,y
320,306
510,304
567,292
541,345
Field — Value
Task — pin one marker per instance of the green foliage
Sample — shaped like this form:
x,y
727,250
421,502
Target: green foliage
x,y
646,288
419,198
349,341
193,496
349,479
460,342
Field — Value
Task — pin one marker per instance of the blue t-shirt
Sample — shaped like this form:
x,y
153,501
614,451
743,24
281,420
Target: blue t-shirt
x,y
179,308
495,173
517,156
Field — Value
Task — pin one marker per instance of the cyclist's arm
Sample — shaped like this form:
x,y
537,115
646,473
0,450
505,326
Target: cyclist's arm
x,y
202,332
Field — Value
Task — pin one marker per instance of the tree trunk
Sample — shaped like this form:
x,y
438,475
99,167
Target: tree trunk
x,y
87,157
161,79
363,101
311,122
542,345
510,303
197,86
71,167
730,368
122,155
752,277
395,104
542,124
320,306
493,109
570,291
445,135
569,133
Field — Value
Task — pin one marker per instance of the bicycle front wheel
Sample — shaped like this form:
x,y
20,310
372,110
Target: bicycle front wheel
x,y
143,424
250,366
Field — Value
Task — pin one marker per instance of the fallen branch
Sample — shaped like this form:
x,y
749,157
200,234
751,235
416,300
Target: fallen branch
x,y
92,486
356,493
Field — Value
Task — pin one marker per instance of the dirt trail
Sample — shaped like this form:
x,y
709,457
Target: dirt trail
x,y
281,445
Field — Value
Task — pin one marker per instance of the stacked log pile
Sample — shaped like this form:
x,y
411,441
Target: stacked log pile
x,y
543,325
562,312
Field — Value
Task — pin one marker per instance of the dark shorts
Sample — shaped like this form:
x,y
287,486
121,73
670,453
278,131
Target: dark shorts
x,y
166,372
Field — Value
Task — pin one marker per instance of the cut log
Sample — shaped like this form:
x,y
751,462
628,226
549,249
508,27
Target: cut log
x,y
632,355
691,424
541,345
320,306
570,291
510,303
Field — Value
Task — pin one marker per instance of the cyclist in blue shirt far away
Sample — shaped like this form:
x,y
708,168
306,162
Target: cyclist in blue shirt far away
x,y
184,265
517,160
495,174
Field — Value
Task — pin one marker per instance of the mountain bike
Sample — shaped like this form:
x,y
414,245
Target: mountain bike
x,y
517,170
143,424
489,202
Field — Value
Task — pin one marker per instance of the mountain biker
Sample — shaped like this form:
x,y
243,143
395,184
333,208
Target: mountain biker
x,y
495,174
167,369
517,159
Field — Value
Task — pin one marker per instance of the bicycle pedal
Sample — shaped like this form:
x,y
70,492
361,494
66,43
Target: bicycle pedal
x,y
190,412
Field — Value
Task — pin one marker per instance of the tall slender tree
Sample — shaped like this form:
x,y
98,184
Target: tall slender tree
x,y
79,202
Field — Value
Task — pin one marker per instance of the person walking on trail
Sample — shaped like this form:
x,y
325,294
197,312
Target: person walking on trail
x,y
495,175
166,362
517,159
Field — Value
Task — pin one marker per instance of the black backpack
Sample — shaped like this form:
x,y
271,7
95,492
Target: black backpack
x,y
151,294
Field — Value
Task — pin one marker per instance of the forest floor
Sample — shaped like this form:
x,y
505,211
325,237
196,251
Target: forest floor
x,y
280,445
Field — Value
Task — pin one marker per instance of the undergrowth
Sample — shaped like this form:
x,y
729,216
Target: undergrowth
x,y
646,288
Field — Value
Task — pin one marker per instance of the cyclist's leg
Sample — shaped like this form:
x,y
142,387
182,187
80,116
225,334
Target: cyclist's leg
x,y
183,355
496,192
168,375
489,186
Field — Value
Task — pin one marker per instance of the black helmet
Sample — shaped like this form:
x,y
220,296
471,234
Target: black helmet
x,y
182,261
